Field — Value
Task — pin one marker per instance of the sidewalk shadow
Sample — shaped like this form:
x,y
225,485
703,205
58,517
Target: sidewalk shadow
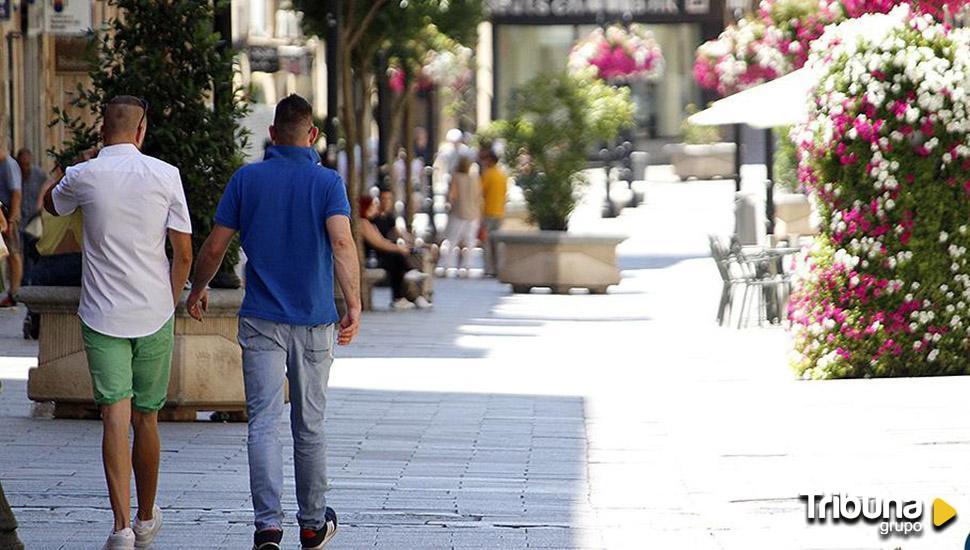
x,y
407,470
655,261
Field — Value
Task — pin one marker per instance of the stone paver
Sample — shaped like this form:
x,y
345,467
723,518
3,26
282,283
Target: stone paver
x,y
503,421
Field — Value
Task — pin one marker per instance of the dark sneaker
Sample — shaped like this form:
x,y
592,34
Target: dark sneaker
x,y
8,301
315,540
267,539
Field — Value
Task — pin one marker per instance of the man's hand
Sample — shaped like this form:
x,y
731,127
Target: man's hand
x,y
197,303
349,326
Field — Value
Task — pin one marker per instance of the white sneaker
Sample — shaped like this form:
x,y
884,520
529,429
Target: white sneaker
x,y
120,540
401,304
422,303
146,531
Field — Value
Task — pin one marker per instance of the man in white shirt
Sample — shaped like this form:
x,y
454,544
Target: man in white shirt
x,y
129,202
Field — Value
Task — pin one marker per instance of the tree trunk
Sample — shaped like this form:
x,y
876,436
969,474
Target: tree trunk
x,y
394,137
349,123
409,158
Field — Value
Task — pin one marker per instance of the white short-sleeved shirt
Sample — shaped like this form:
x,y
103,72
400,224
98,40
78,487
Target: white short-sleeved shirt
x,y
128,202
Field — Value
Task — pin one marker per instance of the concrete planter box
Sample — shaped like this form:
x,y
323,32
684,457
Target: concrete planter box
x,y
206,363
794,216
704,161
557,260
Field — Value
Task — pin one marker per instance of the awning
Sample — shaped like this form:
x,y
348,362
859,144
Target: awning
x,y
780,102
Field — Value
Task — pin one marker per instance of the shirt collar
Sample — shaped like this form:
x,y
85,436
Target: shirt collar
x,y
292,152
118,149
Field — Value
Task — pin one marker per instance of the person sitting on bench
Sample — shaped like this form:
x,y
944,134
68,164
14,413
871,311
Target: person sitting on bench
x,y
391,256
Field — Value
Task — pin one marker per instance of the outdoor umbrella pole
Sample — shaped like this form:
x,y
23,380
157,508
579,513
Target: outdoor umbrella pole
x,y
737,157
770,181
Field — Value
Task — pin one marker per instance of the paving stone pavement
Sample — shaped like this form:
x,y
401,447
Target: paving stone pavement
x,y
539,421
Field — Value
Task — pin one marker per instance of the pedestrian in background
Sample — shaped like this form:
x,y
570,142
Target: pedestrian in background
x,y
494,190
33,178
392,256
129,203
10,202
293,218
465,197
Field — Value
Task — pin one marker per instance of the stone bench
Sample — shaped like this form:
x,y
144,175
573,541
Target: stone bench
x,y
206,363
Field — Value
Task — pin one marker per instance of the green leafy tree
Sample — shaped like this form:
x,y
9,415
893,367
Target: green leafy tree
x,y
375,26
555,121
167,53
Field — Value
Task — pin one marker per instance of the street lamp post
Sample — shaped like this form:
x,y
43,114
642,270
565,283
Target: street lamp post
x,y
332,41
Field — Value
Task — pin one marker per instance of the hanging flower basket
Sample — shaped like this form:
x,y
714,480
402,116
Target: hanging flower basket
x,y
619,54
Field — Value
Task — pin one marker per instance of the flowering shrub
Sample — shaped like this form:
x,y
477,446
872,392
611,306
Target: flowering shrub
x,y
441,61
779,39
799,22
744,55
619,54
886,153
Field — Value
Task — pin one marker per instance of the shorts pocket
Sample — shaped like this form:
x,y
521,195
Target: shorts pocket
x,y
319,343
257,335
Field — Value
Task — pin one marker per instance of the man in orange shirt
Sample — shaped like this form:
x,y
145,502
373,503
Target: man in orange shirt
x,y
494,188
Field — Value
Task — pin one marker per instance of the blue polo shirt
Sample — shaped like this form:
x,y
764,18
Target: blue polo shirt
x,y
280,207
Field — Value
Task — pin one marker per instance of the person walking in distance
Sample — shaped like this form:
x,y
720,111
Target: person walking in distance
x,y
10,201
129,289
465,197
293,218
494,189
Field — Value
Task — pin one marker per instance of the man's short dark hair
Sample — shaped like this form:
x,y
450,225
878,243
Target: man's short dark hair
x,y
488,153
294,117
123,113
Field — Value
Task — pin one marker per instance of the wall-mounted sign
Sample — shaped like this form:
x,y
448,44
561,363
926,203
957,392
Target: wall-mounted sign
x,y
571,11
4,9
71,54
68,17
265,59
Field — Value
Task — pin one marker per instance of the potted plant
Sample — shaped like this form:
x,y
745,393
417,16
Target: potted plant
x,y
555,120
702,155
167,54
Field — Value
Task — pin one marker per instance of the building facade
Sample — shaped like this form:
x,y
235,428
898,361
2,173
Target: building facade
x,y
42,46
524,38
275,60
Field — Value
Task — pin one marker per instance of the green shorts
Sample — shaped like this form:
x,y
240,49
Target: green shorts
x,y
130,367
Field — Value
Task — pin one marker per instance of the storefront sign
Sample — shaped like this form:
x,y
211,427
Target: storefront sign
x,y
264,59
593,9
68,17
71,54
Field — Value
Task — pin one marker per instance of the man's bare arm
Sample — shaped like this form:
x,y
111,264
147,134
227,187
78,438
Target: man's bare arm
x,y
16,200
206,266
181,261
49,201
347,271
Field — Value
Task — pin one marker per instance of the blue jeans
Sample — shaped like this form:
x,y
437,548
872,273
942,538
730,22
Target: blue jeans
x,y
302,355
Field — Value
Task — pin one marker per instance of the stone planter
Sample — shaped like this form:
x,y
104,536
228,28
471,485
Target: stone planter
x,y
793,216
206,363
557,260
703,161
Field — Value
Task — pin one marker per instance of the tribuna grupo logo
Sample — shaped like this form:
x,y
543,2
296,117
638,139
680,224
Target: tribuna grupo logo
x,y
894,516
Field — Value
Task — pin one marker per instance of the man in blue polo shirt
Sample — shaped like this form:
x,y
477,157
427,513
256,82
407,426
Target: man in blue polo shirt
x,y
293,218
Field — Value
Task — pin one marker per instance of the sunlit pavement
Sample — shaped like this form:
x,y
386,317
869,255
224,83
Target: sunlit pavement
x,y
511,421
